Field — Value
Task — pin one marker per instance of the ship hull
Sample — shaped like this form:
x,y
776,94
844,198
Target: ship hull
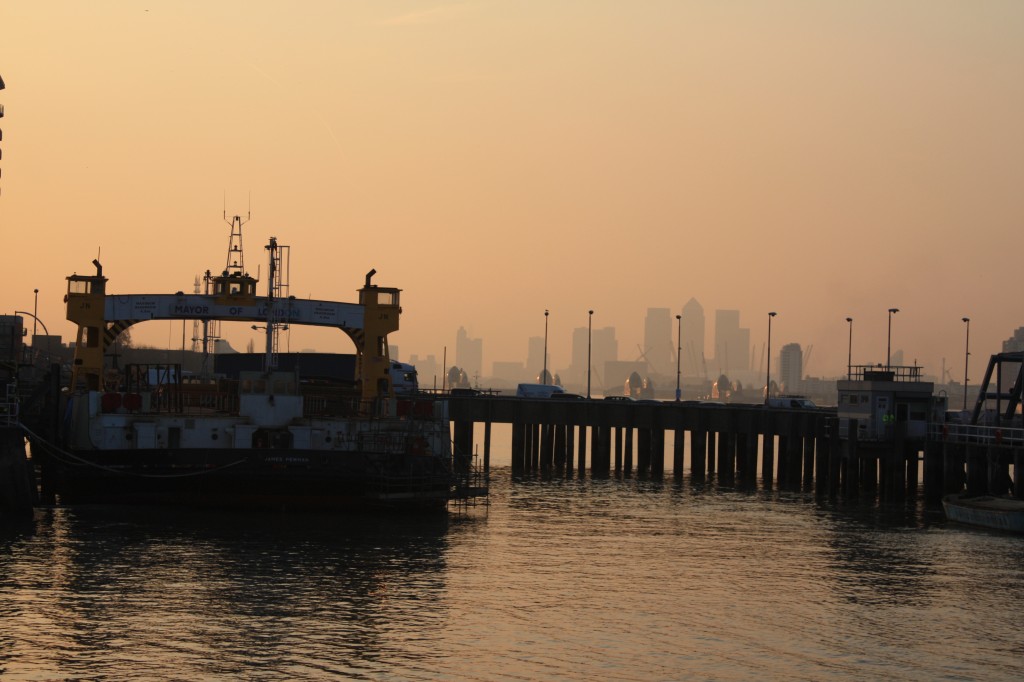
x,y
266,479
986,511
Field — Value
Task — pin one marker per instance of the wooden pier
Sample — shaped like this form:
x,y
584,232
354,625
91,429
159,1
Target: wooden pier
x,y
745,446
17,482
741,445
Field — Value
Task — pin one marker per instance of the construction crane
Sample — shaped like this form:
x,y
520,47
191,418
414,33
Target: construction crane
x,y
643,357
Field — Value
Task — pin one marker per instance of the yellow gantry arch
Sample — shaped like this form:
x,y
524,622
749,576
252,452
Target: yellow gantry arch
x,y
101,318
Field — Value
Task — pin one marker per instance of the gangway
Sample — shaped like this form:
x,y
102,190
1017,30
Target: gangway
x,y
1011,395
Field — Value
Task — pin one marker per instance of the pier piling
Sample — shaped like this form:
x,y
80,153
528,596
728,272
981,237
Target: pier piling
x,y
17,491
799,449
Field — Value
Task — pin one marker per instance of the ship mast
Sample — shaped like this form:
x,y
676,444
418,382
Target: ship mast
x,y
236,258
277,290
271,361
234,266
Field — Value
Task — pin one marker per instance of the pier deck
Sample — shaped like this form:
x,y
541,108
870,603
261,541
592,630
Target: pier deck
x,y
791,449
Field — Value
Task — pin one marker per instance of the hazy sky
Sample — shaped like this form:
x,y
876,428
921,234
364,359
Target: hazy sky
x,y
498,158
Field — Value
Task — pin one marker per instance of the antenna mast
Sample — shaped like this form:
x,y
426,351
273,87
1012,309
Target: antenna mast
x,y
234,266
236,260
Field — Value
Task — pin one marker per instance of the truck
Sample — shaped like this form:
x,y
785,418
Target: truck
x,y
404,379
537,390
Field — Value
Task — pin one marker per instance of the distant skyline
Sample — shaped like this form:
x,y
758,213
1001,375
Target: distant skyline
x,y
496,160
789,360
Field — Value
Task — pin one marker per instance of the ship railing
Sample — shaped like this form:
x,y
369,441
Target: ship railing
x,y
205,401
385,442
324,400
972,434
880,372
170,401
393,473
470,488
389,475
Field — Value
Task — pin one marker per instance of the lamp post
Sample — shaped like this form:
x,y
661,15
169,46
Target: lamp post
x,y
888,343
849,352
25,312
967,355
45,331
544,374
679,353
590,327
768,373
35,312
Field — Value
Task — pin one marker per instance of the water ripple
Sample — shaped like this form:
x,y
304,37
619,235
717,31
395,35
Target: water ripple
x,y
570,580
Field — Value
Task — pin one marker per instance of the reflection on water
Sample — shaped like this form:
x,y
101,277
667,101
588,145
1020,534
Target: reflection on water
x,y
572,579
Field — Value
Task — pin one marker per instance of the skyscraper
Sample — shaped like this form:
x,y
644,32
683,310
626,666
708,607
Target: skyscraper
x,y
693,339
603,348
1015,342
659,350
791,364
578,362
732,342
469,354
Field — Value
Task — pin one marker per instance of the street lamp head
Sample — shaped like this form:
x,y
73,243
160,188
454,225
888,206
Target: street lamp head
x,y
545,313
894,310
772,314
849,319
590,312
967,319
679,317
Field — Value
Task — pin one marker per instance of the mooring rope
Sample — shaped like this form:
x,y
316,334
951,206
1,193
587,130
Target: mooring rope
x,y
81,460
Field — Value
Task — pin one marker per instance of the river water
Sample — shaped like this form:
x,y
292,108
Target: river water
x,y
558,580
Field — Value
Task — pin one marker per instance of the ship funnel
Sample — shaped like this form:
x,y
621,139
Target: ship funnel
x,y
369,275
99,268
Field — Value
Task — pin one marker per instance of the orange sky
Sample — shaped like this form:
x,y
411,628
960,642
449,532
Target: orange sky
x,y
496,159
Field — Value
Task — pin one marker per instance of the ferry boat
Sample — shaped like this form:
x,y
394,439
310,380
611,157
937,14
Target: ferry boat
x,y
269,438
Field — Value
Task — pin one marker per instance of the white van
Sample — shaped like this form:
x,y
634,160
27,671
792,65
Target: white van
x,y
537,390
